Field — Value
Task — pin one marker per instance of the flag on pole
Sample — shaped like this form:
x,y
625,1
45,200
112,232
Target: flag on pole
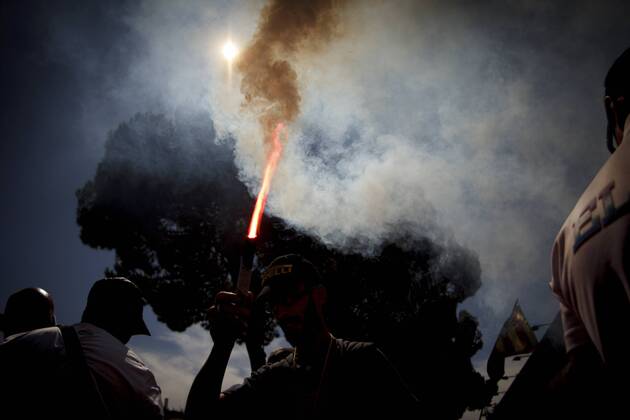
x,y
516,337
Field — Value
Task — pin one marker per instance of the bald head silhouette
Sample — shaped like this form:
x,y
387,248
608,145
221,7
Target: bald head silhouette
x,y
28,309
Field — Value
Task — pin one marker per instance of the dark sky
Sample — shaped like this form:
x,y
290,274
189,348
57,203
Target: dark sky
x,y
45,158
73,70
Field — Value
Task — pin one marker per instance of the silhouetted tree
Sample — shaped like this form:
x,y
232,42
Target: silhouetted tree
x,y
168,199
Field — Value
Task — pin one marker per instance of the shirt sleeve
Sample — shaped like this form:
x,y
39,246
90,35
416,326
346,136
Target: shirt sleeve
x,y
247,399
148,398
575,334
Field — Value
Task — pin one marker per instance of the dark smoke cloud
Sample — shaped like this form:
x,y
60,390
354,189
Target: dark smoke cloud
x,y
285,29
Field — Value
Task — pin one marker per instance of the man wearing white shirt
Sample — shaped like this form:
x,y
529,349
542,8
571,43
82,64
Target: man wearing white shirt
x,y
591,261
85,370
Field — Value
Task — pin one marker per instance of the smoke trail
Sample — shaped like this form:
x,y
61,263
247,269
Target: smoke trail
x,y
286,28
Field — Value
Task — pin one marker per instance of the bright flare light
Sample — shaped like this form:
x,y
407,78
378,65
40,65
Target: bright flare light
x,y
229,51
272,163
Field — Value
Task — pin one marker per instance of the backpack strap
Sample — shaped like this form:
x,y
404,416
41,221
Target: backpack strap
x,y
86,383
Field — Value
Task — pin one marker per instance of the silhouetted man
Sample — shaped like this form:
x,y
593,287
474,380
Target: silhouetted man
x,y
591,264
28,309
84,370
324,377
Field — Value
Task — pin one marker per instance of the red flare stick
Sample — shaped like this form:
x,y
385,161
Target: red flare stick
x,y
270,169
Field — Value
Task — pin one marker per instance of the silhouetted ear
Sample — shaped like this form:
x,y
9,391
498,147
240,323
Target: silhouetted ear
x,y
320,295
611,128
622,111
608,103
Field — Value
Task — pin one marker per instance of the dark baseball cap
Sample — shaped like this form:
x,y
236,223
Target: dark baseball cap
x,y
283,273
119,300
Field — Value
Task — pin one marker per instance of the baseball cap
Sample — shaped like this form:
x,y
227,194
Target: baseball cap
x,y
284,272
120,300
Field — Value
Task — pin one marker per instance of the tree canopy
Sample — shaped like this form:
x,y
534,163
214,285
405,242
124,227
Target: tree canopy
x,y
167,198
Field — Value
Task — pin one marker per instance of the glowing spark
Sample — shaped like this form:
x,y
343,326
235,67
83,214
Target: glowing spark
x,y
272,163
229,51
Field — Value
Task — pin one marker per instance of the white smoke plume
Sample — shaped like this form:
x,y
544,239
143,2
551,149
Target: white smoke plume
x,y
479,122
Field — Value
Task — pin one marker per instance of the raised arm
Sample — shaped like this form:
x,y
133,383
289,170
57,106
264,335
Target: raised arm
x,y
228,316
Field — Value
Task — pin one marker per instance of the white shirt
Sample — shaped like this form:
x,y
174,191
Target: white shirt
x,y
125,382
590,249
127,386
